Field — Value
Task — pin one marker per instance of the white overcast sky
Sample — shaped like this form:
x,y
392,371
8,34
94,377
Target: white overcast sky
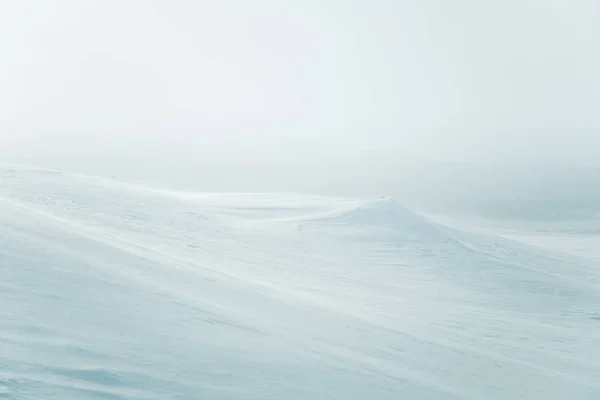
x,y
237,93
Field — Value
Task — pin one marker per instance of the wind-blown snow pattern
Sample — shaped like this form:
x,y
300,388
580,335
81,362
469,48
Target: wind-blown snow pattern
x,y
110,290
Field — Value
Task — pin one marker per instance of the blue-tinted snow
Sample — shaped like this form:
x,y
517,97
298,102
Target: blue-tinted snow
x,y
110,290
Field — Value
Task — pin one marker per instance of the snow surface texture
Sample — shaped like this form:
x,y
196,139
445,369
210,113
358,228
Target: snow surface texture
x,y
110,290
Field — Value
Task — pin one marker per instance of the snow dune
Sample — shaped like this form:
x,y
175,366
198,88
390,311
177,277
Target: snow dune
x,y
113,290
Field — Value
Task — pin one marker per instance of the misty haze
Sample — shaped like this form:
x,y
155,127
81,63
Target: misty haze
x,y
308,200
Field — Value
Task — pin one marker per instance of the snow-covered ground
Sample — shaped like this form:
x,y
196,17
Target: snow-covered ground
x,y
111,290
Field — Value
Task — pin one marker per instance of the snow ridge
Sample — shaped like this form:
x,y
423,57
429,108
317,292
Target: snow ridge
x,y
125,291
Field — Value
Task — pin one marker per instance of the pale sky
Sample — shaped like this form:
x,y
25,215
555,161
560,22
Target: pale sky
x,y
270,94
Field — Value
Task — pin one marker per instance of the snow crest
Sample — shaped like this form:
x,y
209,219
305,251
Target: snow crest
x,y
110,289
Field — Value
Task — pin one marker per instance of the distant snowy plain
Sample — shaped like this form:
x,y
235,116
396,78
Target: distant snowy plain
x,y
115,290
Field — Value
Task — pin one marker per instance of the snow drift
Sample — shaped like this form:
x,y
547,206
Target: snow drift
x,y
124,291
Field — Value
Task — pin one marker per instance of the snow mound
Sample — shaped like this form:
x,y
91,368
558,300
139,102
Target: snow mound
x,y
125,291
385,212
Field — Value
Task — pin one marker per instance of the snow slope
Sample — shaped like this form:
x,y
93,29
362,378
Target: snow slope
x,y
110,290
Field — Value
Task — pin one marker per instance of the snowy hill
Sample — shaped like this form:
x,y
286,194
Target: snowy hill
x,y
112,290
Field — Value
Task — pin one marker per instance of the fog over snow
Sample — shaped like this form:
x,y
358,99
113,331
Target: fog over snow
x,y
299,200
